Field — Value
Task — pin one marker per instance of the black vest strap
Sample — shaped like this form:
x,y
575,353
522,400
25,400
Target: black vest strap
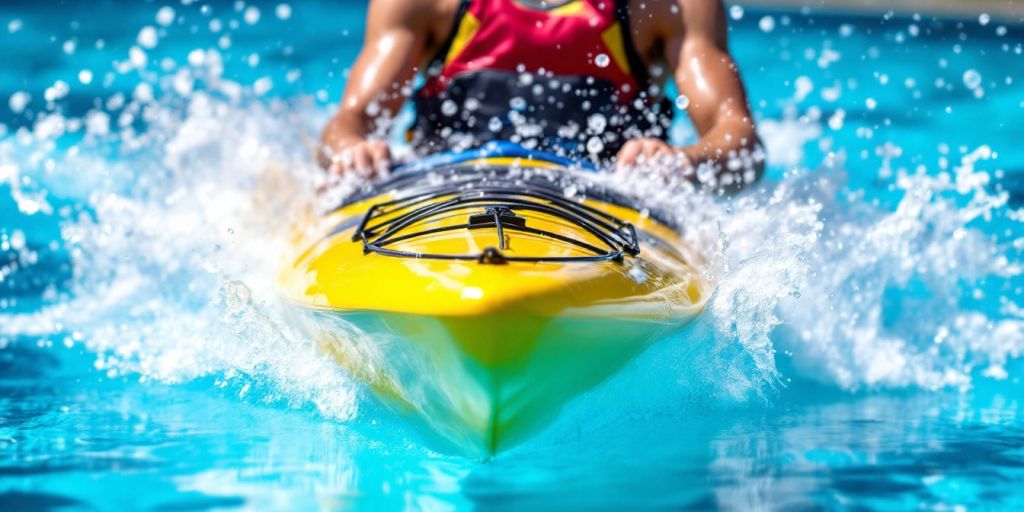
x,y
442,52
568,115
636,64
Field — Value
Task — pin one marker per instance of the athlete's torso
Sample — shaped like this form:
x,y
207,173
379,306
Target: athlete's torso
x,y
571,76
641,29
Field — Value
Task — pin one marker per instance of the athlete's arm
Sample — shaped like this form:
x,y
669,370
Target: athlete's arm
x,y
396,35
696,49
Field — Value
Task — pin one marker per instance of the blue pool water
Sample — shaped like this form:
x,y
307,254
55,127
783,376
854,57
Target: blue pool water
x,y
863,350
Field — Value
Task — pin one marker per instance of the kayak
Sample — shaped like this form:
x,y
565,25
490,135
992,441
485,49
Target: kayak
x,y
481,291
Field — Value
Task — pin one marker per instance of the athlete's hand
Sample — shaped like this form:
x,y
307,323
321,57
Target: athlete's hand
x,y
650,151
365,157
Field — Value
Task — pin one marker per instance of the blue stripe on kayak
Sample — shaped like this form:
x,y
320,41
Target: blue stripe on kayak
x,y
493,149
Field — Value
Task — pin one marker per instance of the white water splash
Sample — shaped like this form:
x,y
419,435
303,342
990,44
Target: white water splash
x,y
857,295
897,297
175,257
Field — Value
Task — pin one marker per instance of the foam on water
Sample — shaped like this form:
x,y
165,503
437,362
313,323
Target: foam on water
x,y
178,204
924,292
176,245
898,298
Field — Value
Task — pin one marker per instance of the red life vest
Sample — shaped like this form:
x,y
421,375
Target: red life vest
x,y
561,76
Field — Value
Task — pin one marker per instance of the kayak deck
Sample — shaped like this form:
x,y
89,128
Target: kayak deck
x,y
486,352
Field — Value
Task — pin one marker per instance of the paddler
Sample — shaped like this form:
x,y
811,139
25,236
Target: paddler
x,y
580,78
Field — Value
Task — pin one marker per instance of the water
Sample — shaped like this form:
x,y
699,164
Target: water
x,y
863,350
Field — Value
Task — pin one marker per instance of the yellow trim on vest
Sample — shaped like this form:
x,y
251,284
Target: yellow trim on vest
x,y
574,8
616,45
507,161
467,29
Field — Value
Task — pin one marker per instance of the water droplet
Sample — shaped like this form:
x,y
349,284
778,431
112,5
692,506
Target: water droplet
x,y
283,11
262,86
517,103
236,296
137,57
494,125
252,15
196,57
767,24
682,102
972,79
17,240
596,123
595,145
736,12
804,86
984,18
147,37
97,123
706,173
18,101
602,61
638,274
835,122
143,93
165,16
58,90
449,108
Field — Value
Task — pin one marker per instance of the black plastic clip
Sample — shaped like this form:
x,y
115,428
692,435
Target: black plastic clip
x,y
492,256
493,215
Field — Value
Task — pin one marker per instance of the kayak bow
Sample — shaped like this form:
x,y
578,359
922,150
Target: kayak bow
x,y
480,296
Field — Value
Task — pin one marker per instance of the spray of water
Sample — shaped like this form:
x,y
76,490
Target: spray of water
x,y
175,222
898,297
176,240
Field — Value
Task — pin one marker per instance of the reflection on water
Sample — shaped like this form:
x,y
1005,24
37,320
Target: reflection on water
x,y
877,451
144,363
191,448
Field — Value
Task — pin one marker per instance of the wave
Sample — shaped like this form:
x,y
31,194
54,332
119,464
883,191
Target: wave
x,y
172,224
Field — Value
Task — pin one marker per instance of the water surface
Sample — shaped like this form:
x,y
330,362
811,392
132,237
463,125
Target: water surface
x,y
863,350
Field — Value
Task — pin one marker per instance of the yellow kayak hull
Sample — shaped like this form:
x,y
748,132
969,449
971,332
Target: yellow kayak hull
x,y
487,354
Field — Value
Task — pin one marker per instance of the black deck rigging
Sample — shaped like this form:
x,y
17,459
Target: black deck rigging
x,y
492,198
